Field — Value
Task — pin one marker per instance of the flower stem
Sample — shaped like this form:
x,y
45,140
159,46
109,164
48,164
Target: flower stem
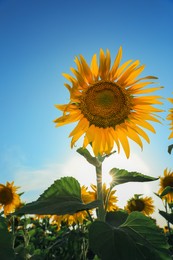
x,y
101,210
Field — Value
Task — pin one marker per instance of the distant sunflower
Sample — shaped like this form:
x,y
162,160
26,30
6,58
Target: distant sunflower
x,y
166,180
112,198
77,218
144,205
9,199
107,104
170,118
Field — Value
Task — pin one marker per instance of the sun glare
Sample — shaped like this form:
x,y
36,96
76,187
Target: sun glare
x,y
107,178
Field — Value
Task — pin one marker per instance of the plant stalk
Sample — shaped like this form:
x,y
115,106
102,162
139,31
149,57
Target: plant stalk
x,y
101,210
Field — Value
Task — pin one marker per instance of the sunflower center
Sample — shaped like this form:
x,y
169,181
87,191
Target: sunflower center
x,y
6,196
168,181
137,205
105,104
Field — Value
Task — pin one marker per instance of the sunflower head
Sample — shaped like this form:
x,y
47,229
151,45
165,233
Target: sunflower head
x,y
166,229
141,204
9,199
109,103
166,180
170,118
111,205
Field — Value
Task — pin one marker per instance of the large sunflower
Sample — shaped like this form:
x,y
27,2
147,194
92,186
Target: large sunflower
x,y
170,117
166,180
9,199
107,104
144,205
112,200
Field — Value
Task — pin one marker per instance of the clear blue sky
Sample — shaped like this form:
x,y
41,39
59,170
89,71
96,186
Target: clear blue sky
x,y
38,42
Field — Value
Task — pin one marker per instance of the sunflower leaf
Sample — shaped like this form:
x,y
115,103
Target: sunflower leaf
x,y
91,159
167,190
120,176
157,195
62,197
139,235
6,251
59,205
170,147
66,186
144,231
116,218
167,216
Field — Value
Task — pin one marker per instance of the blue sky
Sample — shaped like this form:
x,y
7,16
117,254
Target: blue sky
x,y
39,41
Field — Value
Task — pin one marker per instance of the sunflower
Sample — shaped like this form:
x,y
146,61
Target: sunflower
x,y
170,117
77,218
166,180
106,103
142,204
111,206
9,199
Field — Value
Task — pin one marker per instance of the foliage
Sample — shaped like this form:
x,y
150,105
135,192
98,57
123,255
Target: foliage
x,y
141,237
42,230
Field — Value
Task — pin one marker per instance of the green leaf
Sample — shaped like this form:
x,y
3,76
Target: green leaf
x,y
6,251
116,218
157,195
59,205
167,216
167,190
66,186
62,197
137,238
120,176
112,243
144,231
86,154
170,147
170,205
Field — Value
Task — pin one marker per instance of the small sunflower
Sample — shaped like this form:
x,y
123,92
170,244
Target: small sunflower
x,y
166,180
170,118
111,206
77,218
144,205
108,103
166,229
9,199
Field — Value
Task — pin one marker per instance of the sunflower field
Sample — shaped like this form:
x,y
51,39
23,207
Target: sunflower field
x,y
111,105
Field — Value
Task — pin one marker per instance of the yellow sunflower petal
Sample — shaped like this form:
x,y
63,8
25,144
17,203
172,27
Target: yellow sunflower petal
x,y
97,142
116,64
133,75
115,138
102,64
66,119
86,70
128,71
121,69
149,90
79,66
82,125
124,142
79,77
70,78
133,135
94,67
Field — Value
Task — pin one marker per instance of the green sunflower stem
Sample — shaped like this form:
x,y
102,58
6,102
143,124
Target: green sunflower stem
x,y
101,210
166,209
107,199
